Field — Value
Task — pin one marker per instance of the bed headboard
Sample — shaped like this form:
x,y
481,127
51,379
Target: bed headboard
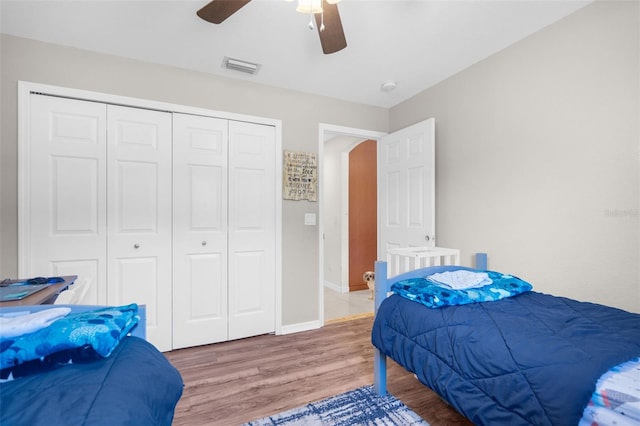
x,y
139,330
417,259
409,258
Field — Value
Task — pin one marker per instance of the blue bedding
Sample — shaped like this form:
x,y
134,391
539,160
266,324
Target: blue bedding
x,y
100,329
527,359
494,286
134,385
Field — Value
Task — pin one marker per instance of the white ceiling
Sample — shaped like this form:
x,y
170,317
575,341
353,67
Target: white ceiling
x,y
414,43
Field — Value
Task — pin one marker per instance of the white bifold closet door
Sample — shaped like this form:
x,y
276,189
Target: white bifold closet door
x,y
139,215
224,230
65,216
170,210
99,182
252,229
200,230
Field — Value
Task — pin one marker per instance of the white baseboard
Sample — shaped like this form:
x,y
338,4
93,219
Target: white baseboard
x,y
335,287
297,328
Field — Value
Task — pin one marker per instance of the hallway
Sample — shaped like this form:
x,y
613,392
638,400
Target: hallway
x,y
340,305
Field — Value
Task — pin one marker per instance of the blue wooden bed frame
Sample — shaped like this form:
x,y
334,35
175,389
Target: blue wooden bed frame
x,y
383,284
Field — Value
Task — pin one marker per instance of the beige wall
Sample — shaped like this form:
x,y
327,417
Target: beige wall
x,y
537,150
32,61
537,156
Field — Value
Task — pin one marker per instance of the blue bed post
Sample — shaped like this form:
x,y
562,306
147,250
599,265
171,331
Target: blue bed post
x,y
379,359
481,261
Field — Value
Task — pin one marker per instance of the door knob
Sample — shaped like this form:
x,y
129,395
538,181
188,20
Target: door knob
x,y
136,246
204,243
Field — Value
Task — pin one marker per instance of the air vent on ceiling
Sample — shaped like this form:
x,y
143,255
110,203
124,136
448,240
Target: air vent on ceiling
x,y
239,65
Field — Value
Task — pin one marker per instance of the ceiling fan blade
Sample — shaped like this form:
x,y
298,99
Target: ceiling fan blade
x,y
217,11
332,37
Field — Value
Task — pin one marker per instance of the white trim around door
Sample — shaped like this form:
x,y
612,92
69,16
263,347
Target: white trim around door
x,y
25,89
325,131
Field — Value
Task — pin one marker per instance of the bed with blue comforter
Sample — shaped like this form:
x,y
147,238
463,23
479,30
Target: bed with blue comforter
x,y
499,352
81,365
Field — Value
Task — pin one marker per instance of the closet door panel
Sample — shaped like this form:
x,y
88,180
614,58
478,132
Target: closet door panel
x,y
139,215
199,230
251,229
135,280
66,184
248,269
205,300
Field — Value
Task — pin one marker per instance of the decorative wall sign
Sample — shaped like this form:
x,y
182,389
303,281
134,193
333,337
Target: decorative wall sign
x,y
300,176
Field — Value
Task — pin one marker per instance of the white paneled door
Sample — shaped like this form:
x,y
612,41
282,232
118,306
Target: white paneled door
x,y
139,215
65,172
406,188
199,230
251,229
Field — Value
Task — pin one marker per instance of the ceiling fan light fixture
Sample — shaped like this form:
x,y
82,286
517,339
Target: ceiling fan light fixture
x,y
332,37
240,65
309,6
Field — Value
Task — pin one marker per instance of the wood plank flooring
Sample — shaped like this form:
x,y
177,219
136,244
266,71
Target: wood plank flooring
x,y
235,382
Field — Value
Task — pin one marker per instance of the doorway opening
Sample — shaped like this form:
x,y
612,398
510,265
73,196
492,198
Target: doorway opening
x,y
336,143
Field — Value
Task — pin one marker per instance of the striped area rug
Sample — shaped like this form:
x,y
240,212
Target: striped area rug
x,y
361,406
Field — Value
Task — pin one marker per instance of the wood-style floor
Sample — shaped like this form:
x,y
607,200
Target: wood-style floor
x,y
235,382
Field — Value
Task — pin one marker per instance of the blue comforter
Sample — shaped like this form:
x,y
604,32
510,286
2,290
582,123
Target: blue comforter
x,y
528,359
135,385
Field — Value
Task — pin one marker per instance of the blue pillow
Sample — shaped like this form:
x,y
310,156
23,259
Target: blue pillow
x,y
432,295
99,329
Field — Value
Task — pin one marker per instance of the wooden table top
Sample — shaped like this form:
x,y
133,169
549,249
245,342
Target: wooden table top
x,y
42,296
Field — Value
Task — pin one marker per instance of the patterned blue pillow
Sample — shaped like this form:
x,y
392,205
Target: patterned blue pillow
x,y
100,329
432,295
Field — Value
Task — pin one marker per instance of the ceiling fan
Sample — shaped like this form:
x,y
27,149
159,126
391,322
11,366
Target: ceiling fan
x,y
326,15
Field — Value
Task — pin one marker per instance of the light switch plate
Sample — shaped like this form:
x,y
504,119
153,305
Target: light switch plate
x,y
309,218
